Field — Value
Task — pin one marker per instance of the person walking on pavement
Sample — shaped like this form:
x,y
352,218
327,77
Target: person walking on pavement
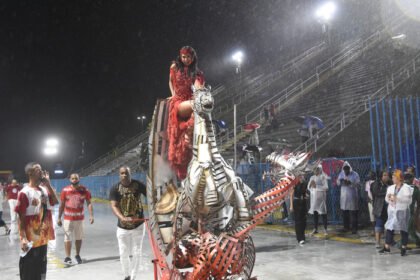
x,y
378,189
126,204
399,197
12,191
318,187
34,205
3,223
414,224
349,182
298,200
72,199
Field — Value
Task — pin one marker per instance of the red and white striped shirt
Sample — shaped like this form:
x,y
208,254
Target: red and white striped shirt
x,y
74,199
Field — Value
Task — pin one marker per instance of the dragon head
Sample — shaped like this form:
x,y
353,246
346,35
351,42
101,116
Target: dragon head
x,y
203,101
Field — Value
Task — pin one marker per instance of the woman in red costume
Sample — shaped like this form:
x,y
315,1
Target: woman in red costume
x,y
183,74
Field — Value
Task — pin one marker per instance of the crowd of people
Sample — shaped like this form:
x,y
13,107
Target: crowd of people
x,y
393,204
31,205
31,210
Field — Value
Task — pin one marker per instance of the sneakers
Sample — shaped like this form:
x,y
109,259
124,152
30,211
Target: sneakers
x,y
377,245
384,251
403,251
127,278
325,232
315,231
301,242
68,261
8,231
78,259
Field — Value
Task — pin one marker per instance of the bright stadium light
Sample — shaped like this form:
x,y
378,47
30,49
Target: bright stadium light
x,y
51,146
238,57
326,12
51,142
50,151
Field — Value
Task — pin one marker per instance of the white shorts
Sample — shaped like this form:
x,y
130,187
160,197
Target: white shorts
x,y
75,227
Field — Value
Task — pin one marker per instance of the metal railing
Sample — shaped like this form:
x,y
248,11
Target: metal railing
x,y
354,112
266,80
300,86
333,63
116,152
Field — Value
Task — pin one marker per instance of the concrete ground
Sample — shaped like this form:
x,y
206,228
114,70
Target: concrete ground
x,y
336,256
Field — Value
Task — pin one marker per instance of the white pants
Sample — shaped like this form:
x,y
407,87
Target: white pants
x,y
13,216
131,242
12,205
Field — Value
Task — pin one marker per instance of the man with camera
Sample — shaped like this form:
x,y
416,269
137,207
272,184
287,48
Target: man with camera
x,y
349,182
34,205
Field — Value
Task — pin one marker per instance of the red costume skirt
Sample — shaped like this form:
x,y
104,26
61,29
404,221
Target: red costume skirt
x,y
180,134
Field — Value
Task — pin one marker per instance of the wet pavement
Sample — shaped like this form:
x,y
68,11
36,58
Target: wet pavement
x,y
336,256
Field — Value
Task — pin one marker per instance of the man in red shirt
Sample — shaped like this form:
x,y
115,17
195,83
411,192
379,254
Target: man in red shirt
x,y
72,201
34,204
12,196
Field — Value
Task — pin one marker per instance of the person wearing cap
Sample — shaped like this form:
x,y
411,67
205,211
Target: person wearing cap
x,y
126,204
399,197
183,74
349,181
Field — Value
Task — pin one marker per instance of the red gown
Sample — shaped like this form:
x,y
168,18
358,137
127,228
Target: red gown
x,y
180,130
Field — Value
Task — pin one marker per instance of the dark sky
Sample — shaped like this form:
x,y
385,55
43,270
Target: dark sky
x,y
83,70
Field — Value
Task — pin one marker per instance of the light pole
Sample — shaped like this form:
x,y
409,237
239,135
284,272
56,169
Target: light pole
x,y
141,118
324,15
237,57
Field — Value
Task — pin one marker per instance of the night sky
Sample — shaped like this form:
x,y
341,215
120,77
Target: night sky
x,y
83,70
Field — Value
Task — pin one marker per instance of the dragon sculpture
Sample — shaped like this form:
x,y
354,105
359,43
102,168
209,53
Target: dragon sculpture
x,y
201,229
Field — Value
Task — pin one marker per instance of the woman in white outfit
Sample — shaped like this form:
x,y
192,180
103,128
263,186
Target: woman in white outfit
x,y
398,197
318,187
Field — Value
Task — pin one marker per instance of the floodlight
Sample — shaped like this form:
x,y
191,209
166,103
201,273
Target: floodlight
x,y
238,56
50,151
51,142
326,11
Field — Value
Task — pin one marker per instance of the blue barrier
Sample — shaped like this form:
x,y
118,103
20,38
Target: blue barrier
x,y
399,127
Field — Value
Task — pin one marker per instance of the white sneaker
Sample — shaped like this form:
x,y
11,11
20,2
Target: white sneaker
x,y
315,231
301,242
325,232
